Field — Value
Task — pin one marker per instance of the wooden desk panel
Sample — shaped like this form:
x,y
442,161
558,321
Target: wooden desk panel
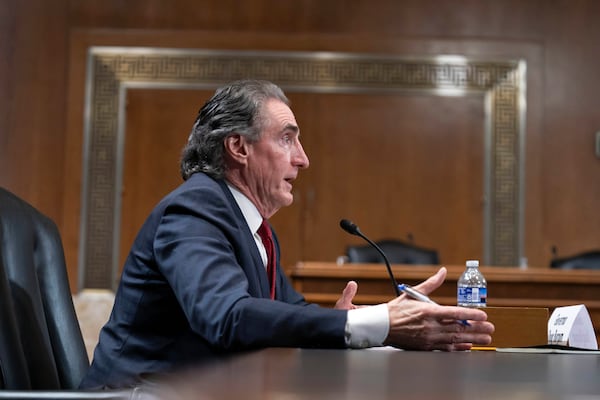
x,y
322,283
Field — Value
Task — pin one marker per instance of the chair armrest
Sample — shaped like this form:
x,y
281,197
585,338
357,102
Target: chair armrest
x,y
126,394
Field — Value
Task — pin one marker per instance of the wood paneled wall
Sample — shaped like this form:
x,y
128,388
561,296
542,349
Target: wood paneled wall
x,y
42,75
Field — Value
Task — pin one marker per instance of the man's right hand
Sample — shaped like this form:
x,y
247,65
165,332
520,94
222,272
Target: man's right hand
x,y
418,325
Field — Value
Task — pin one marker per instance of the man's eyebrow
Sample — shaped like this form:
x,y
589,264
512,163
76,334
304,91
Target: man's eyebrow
x,y
291,127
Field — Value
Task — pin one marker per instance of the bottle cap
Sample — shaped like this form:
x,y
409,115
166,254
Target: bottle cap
x,y
473,263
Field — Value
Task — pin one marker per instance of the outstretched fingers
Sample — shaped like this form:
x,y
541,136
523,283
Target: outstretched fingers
x,y
461,336
433,282
422,326
453,336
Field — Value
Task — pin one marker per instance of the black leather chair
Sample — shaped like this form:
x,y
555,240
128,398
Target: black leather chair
x,y
585,260
42,353
397,252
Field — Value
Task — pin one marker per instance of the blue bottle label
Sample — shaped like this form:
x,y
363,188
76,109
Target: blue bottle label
x,y
472,295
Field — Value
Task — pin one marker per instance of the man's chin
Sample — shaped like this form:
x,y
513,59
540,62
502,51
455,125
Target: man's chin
x,y
283,201
287,200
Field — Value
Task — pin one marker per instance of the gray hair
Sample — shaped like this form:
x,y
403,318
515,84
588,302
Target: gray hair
x,y
234,109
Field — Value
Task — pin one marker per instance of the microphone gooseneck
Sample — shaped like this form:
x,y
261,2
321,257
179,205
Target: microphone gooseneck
x,y
353,229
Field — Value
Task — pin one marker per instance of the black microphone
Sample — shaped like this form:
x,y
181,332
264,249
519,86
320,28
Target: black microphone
x,y
352,229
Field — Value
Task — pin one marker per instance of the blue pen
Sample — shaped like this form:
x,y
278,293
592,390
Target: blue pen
x,y
415,294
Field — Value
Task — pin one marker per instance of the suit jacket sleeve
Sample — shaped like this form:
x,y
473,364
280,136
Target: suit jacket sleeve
x,y
207,254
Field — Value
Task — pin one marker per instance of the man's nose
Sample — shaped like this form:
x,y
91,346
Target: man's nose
x,y
300,159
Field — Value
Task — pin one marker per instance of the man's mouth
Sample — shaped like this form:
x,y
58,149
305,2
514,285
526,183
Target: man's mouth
x,y
289,181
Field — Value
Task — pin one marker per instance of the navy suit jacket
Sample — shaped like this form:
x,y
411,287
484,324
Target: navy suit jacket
x,y
194,288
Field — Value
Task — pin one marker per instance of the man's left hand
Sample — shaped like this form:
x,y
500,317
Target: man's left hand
x,y
345,302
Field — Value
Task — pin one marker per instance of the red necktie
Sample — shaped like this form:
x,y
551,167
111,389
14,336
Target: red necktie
x,y
267,238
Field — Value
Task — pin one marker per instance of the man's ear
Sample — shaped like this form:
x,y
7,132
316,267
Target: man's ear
x,y
236,148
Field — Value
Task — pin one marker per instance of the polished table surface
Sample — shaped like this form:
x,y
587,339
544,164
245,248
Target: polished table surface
x,y
387,373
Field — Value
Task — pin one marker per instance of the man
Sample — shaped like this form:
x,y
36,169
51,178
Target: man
x,y
198,284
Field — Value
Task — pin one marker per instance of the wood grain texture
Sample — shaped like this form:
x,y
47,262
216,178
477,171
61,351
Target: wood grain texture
x,y
42,78
323,283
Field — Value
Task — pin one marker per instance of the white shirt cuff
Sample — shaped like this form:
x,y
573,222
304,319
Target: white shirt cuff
x,y
367,326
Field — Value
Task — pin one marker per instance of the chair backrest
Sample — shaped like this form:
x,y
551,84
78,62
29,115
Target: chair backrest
x,y
585,260
397,252
41,346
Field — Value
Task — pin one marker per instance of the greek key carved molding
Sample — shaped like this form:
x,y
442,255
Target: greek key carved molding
x,y
111,70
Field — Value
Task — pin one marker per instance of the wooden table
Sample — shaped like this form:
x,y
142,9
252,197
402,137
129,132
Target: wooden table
x,y
389,374
322,283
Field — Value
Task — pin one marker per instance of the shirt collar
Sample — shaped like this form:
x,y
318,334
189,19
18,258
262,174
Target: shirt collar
x,y
249,210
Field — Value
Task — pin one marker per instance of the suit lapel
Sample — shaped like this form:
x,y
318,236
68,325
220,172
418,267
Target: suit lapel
x,y
250,260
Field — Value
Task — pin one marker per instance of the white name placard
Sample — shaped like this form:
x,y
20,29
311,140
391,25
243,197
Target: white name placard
x,y
572,326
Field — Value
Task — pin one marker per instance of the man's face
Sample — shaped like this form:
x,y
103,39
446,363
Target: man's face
x,y
275,159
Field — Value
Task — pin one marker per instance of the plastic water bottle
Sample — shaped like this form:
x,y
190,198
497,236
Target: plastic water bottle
x,y
472,287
